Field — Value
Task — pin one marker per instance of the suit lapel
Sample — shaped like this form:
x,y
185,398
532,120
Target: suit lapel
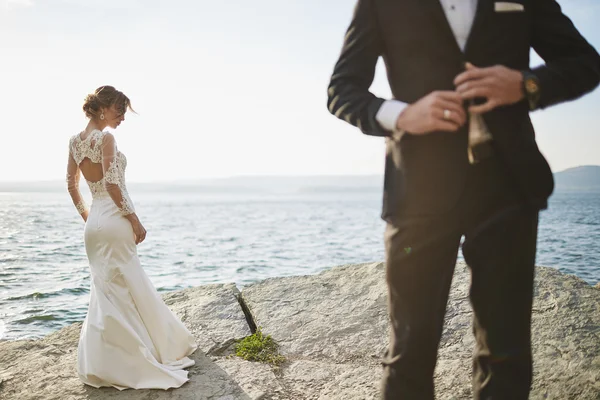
x,y
485,9
441,22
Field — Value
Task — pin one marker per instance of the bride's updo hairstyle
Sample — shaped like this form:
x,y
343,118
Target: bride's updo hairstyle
x,y
105,97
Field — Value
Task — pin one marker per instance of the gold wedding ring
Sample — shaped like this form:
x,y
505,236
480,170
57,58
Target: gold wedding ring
x,y
447,114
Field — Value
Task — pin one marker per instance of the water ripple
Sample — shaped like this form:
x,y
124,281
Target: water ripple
x,y
38,295
36,318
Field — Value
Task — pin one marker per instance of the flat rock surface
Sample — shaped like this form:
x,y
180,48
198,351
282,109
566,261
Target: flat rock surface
x,y
212,313
339,315
332,329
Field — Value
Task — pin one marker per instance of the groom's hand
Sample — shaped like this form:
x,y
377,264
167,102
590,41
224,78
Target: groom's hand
x,y
438,111
498,84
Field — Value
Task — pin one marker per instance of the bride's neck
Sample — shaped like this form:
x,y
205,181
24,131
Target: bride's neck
x,y
92,125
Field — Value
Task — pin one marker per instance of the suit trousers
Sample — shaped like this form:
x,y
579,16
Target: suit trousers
x,y
499,246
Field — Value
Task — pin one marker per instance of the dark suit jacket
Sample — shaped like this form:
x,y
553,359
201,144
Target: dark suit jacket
x,y
425,175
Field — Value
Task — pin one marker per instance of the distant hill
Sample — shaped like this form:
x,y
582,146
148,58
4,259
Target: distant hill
x,y
585,178
237,184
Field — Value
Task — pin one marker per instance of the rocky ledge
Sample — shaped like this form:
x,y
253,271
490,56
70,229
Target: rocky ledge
x,y
332,329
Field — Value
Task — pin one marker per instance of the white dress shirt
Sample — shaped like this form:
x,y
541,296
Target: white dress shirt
x,y
460,15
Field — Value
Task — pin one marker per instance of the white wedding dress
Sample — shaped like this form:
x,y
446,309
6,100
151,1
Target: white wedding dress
x,y
130,338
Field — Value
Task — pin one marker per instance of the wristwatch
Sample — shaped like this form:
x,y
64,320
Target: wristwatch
x,y
531,89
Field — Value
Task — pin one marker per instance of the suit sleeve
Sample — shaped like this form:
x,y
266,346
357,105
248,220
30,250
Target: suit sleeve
x,y
348,95
572,65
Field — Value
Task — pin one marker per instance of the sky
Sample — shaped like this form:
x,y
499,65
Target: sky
x,y
222,88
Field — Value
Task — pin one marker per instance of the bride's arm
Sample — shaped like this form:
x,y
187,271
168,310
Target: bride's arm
x,y
73,173
112,178
112,182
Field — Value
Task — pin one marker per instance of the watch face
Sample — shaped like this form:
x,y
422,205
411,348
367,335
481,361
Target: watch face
x,y
531,86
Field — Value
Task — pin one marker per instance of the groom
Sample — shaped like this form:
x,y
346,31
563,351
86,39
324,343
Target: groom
x,y
455,68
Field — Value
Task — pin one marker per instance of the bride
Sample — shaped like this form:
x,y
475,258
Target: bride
x,y
130,338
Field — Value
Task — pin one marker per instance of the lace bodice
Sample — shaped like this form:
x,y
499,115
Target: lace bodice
x,y
100,147
90,147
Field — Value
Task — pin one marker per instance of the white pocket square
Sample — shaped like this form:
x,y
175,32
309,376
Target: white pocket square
x,y
504,6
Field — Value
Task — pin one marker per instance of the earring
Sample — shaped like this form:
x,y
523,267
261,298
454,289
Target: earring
x,y
102,116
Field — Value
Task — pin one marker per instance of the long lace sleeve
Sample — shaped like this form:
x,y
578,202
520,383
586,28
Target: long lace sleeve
x,y
114,175
73,174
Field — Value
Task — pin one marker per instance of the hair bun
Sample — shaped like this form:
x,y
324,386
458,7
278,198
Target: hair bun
x,y
104,97
91,97
91,105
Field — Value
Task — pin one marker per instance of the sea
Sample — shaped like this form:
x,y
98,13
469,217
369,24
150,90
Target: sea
x,y
204,237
